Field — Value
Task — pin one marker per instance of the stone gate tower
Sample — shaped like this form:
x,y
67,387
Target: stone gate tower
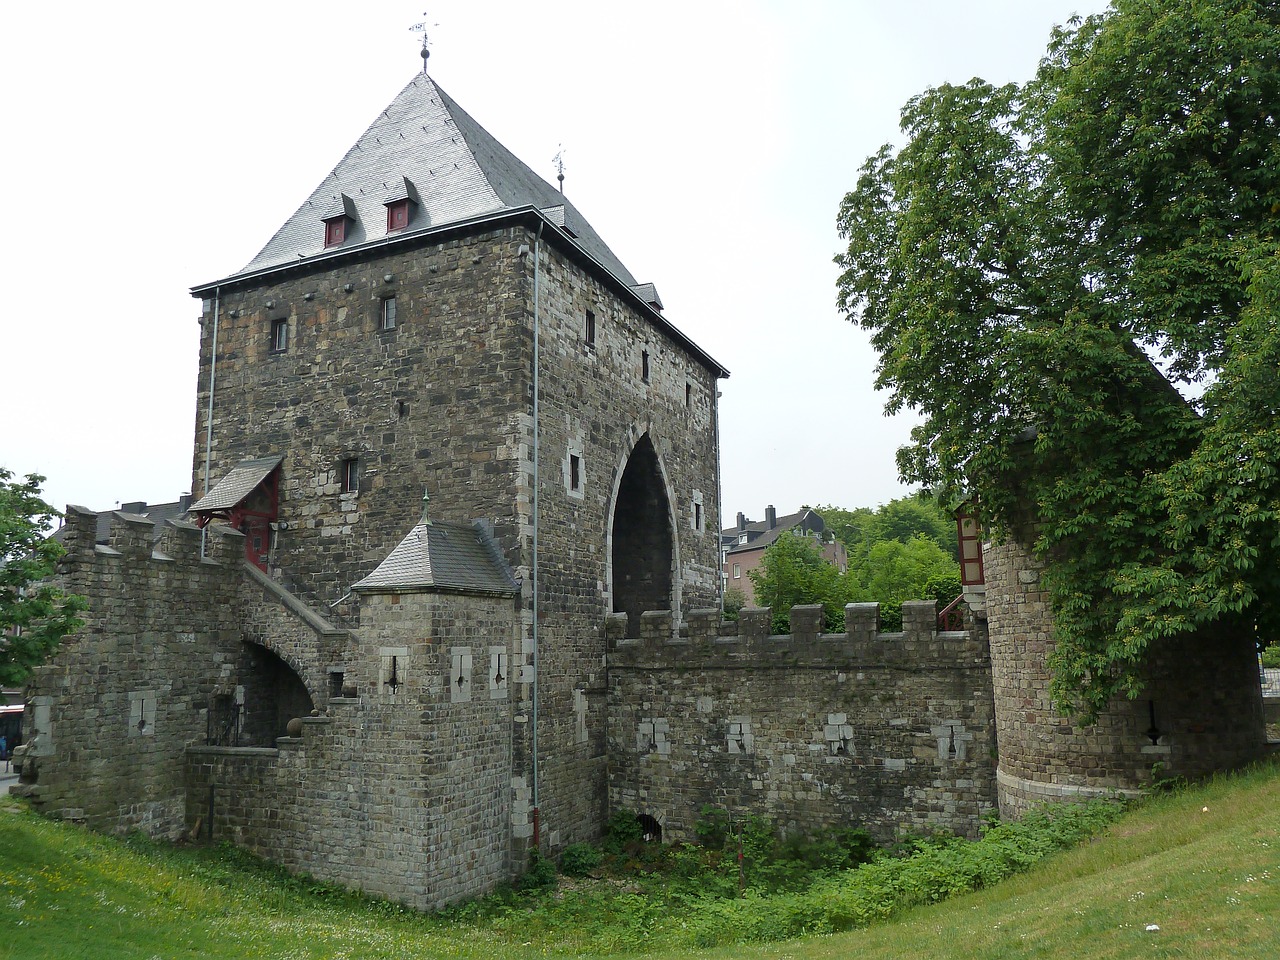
x,y
436,317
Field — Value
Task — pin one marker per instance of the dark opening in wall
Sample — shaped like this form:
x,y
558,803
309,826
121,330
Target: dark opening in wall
x,y
349,475
224,726
274,694
644,365
642,548
650,828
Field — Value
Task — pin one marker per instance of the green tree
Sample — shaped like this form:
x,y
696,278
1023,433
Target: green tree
x,y
891,572
34,616
1020,260
793,571
900,519
734,600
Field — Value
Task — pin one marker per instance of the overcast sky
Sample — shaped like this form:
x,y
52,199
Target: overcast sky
x,y
151,147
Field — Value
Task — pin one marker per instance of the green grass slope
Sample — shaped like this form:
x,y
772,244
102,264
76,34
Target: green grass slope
x,y
1202,865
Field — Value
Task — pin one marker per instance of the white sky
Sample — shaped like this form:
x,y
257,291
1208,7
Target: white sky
x,y
151,147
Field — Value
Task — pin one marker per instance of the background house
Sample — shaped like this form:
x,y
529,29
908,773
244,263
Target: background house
x,y
743,545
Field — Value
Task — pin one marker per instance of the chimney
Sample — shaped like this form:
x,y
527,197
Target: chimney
x,y
184,502
742,521
770,516
134,506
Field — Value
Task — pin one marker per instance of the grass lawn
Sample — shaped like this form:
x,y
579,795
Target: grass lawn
x,y
1203,865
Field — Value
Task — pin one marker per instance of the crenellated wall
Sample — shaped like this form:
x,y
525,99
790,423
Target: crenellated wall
x,y
886,731
113,712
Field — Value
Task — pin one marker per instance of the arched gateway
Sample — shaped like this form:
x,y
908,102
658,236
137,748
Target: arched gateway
x,y
642,538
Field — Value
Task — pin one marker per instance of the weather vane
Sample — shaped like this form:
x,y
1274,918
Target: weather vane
x,y
558,160
422,29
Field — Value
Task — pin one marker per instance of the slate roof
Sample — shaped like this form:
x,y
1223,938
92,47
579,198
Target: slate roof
x,y
236,485
443,556
456,168
425,147
156,513
759,534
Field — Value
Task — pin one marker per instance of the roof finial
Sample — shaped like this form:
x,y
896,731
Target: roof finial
x,y
558,160
422,29
426,499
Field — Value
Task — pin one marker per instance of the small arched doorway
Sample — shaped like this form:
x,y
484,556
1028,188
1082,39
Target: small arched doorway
x,y
642,546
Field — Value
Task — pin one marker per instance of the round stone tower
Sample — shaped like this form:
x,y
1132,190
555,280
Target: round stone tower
x,y
1200,711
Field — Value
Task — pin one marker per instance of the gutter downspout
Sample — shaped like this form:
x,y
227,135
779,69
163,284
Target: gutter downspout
x,y
208,417
537,257
715,434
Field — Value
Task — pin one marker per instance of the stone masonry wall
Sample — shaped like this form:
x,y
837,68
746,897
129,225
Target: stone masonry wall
x,y
443,402
114,710
596,405
888,732
437,403
403,792
1202,703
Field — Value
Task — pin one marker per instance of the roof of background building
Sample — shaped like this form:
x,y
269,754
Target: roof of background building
x,y
759,533
453,557
157,513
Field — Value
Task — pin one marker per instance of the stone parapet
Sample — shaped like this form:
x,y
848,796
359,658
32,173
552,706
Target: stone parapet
x,y
888,731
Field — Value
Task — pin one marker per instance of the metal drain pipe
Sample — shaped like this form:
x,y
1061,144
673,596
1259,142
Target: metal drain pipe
x,y
537,258
208,419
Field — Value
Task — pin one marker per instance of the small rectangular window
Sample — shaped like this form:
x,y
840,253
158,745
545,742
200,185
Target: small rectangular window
x,y
575,471
388,313
335,231
589,332
644,366
279,335
397,215
349,475
688,394
697,516
737,571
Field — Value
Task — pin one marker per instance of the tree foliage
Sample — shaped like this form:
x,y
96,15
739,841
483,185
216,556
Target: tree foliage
x,y
901,519
34,616
1020,261
793,572
903,550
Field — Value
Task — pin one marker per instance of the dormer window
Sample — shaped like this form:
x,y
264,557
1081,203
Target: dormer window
x,y
397,214
400,201
341,213
335,231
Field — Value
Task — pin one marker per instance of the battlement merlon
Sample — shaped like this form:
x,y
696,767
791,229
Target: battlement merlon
x,y
705,640
135,537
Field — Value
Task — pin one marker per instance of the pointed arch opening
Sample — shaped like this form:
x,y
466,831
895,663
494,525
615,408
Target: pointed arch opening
x,y
274,693
641,538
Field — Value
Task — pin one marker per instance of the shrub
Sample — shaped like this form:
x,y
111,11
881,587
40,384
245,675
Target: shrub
x,y
623,831
579,859
541,872
1270,656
